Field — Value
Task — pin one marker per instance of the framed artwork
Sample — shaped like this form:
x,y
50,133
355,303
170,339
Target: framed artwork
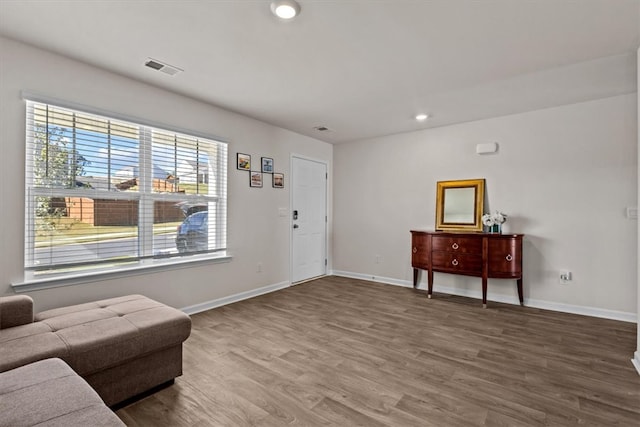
x,y
278,180
256,179
267,165
244,162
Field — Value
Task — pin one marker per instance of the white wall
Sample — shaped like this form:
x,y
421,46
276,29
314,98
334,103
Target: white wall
x,y
563,175
636,358
255,234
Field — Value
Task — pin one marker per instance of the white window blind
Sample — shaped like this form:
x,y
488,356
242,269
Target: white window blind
x,y
103,192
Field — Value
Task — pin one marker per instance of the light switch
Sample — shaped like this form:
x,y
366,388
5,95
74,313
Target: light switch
x,y
282,211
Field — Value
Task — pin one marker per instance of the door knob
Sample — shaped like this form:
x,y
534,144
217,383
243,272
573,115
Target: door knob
x,y
296,226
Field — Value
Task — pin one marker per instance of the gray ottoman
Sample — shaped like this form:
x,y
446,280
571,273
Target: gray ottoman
x,y
48,393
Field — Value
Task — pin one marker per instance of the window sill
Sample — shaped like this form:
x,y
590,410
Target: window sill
x,y
37,284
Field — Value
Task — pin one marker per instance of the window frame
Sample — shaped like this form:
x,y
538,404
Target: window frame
x,y
146,198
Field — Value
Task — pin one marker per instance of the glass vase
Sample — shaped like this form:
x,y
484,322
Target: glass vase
x,y
496,229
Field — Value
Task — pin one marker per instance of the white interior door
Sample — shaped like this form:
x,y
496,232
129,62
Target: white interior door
x,y
309,219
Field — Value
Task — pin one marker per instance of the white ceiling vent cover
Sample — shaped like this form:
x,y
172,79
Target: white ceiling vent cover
x,y
163,67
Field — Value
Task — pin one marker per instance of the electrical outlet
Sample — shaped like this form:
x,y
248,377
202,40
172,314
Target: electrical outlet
x,y
377,259
259,268
565,276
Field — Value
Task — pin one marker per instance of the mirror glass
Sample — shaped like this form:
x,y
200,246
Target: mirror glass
x,y
460,205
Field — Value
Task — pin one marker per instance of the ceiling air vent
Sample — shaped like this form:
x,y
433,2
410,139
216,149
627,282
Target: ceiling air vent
x,y
163,67
322,129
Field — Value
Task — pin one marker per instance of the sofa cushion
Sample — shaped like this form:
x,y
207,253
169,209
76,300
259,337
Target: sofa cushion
x,y
48,393
22,331
37,373
15,310
87,306
97,335
28,343
69,320
97,345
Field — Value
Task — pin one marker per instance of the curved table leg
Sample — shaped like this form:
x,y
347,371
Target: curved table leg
x,y
520,296
484,292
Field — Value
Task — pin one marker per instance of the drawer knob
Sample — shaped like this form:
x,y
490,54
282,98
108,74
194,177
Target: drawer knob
x,y
509,257
454,262
415,250
455,246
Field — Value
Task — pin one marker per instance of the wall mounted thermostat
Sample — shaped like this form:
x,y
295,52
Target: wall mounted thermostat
x,y
488,148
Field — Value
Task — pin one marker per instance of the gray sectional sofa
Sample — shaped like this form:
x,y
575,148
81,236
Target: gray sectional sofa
x,y
121,346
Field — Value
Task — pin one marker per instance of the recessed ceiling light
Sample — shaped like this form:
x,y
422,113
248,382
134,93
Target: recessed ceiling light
x,y
422,117
285,9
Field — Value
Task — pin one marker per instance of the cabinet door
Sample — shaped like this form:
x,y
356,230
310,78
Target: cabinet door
x,y
505,257
419,252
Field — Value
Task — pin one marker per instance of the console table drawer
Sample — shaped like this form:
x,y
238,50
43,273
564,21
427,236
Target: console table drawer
x,y
457,244
456,262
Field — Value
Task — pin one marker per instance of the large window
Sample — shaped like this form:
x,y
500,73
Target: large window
x,y
102,193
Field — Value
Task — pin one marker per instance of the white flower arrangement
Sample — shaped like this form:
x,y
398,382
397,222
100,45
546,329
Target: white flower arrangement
x,y
495,218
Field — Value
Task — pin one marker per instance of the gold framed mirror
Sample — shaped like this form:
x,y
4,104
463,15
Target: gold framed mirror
x,y
459,205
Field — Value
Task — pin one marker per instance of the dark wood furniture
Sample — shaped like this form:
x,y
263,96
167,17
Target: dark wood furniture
x,y
471,254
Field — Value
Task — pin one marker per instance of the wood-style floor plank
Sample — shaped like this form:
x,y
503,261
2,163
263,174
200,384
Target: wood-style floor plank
x,y
345,352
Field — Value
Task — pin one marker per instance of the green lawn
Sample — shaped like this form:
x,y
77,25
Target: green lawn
x,y
191,188
185,188
62,231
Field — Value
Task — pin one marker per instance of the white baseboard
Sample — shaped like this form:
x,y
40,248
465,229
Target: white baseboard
x,y
477,294
636,361
583,310
208,305
372,278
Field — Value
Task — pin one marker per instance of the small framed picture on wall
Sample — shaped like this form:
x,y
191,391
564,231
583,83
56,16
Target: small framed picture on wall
x,y
256,179
278,180
267,165
244,162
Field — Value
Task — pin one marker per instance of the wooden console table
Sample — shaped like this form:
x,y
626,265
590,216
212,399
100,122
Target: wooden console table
x,y
471,254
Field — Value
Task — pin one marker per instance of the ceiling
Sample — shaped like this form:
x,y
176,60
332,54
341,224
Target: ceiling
x,y
362,68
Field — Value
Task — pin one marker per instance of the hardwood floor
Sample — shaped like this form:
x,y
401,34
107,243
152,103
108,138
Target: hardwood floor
x,y
346,352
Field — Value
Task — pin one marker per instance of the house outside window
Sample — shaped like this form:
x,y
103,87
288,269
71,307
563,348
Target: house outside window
x,y
103,193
